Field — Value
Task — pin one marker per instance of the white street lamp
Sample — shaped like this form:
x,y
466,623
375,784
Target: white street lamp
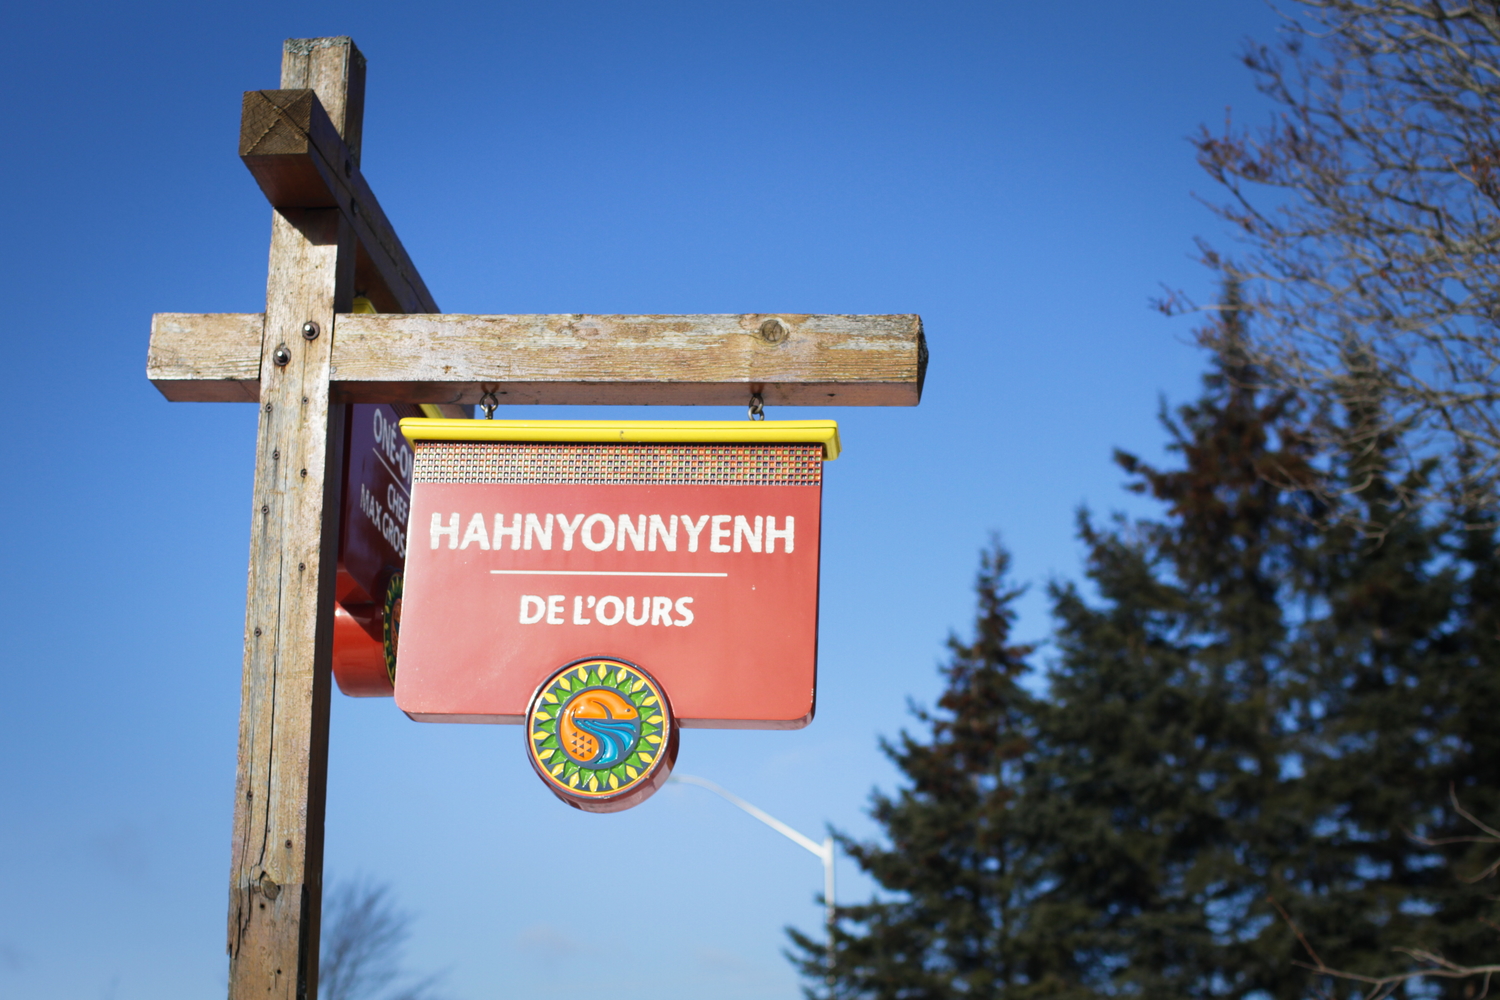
x,y
824,850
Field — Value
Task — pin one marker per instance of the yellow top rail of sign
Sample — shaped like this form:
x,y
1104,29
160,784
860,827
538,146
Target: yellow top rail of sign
x,y
823,432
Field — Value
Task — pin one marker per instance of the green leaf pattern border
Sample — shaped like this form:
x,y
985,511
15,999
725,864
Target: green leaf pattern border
x,y
560,770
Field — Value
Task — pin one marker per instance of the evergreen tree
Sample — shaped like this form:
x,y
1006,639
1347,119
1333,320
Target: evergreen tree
x,y
1259,713
1156,781
958,927
1395,690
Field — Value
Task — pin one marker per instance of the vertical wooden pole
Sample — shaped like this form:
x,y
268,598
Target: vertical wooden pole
x,y
336,70
276,873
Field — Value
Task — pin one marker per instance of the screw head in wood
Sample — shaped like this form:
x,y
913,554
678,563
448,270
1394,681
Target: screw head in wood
x,y
282,356
310,330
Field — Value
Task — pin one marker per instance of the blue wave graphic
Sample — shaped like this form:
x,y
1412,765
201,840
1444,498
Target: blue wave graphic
x,y
617,737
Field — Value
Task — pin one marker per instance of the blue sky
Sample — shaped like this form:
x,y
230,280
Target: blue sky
x,y
1018,174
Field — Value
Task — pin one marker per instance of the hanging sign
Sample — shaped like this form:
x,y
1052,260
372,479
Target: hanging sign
x,y
668,570
372,545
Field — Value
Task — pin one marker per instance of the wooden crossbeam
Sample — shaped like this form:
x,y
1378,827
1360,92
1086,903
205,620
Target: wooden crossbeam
x,y
791,360
206,357
295,153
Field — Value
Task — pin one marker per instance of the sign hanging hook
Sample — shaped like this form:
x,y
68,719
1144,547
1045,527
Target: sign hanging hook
x,y
757,407
488,402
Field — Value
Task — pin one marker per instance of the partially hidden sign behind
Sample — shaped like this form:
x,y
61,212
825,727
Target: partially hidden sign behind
x,y
372,545
680,559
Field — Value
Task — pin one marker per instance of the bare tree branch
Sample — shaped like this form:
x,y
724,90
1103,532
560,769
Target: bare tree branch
x,y
364,937
1431,965
1368,217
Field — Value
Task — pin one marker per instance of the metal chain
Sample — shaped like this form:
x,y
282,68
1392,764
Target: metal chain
x,y
757,407
487,403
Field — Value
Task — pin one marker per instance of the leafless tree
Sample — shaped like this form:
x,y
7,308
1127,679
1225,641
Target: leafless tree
x,y
1367,213
364,939
1427,965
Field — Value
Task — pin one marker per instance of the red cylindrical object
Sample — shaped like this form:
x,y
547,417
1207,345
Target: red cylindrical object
x,y
358,660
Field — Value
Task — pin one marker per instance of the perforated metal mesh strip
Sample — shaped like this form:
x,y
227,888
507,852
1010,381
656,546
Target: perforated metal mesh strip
x,y
515,462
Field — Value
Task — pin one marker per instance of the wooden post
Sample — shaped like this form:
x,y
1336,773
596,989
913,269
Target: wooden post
x,y
276,876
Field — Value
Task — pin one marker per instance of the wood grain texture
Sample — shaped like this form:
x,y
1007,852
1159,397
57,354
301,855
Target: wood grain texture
x,y
280,131
276,877
685,360
335,69
790,359
292,147
216,358
206,357
300,71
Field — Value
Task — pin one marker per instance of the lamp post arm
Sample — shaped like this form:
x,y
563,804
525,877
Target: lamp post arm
x,y
824,851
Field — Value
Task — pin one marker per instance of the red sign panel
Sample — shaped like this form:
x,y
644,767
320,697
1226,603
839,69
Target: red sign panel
x,y
377,498
697,563
372,542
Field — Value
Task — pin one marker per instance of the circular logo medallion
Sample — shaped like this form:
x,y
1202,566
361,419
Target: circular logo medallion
x,y
601,735
391,624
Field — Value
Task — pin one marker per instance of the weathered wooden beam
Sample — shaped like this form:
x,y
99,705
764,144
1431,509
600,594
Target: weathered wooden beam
x,y
277,845
293,149
276,876
216,358
210,358
335,69
791,360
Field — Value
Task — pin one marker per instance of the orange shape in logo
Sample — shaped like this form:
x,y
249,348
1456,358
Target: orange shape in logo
x,y
590,708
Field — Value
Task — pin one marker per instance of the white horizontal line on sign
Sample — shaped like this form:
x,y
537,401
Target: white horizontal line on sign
x,y
589,572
